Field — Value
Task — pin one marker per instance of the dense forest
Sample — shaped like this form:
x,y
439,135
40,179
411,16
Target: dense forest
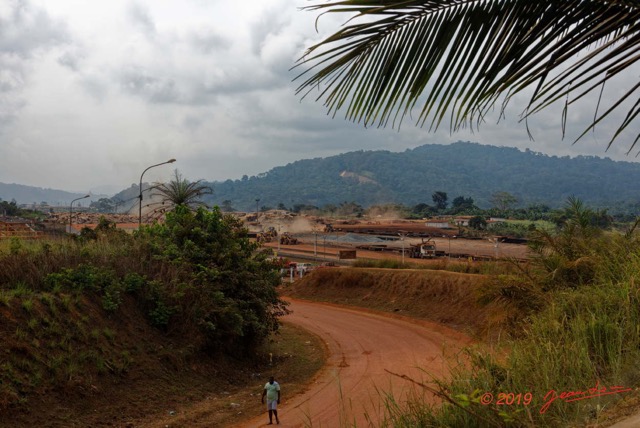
x,y
460,169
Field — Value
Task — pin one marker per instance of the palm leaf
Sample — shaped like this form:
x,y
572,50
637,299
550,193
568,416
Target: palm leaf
x,y
180,191
461,56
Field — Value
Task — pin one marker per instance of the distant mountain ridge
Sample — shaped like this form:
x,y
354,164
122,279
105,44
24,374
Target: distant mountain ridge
x,y
29,195
460,169
410,177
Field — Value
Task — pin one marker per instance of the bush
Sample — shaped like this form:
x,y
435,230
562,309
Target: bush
x,y
224,286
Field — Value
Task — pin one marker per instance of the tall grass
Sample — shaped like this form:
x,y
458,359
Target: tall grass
x,y
581,332
465,266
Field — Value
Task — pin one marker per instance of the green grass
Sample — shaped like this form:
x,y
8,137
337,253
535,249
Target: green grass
x,y
27,305
539,224
585,334
5,298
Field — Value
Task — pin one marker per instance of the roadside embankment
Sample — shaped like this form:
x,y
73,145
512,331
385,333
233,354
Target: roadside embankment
x,y
448,298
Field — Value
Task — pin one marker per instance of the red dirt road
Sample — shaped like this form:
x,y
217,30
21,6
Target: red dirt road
x,y
361,345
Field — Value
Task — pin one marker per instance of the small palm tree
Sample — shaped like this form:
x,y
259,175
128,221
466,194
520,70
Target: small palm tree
x,y
458,58
180,191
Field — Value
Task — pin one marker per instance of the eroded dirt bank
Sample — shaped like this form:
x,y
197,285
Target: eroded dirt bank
x,y
448,298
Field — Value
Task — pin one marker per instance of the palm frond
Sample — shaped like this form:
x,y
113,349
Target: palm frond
x,y
180,191
459,57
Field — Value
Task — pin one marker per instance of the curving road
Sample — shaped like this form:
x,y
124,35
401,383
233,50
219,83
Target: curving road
x,y
362,345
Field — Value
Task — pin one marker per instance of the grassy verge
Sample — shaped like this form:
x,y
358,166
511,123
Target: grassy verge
x,y
460,266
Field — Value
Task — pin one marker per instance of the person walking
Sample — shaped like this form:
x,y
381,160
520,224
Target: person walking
x,y
272,392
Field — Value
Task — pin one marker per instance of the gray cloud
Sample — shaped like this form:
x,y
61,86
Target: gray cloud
x,y
271,21
138,82
72,59
140,17
25,31
207,41
12,74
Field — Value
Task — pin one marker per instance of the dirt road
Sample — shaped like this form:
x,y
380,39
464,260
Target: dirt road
x,y
361,346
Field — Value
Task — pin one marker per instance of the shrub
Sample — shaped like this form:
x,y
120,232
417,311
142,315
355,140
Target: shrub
x,y
224,287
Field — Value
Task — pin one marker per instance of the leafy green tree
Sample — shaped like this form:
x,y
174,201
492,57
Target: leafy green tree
x,y
102,205
462,204
10,208
602,219
180,191
226,284
538,212
227,206
440,199
569,256
350,209
599,219
298,208
478,223
463,57
503,201
423,210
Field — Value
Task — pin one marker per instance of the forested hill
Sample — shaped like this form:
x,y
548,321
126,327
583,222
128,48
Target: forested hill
x,y
460,169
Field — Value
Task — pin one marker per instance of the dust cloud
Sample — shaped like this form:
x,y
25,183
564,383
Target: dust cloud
x,y
385,213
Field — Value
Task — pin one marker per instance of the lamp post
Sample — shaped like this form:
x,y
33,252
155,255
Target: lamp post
x,y
140,196
315,246
402,236
324,251
454,237
71,205
279,239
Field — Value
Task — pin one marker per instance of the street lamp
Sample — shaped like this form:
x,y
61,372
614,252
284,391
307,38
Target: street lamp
x,y
315,246
140,196
402,236
324,251
71,205
279,239
454,237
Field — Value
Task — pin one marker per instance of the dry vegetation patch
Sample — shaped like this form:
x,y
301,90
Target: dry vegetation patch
x,y
449,298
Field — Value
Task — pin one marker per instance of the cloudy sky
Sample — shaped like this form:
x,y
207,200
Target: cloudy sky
x,y
93,92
